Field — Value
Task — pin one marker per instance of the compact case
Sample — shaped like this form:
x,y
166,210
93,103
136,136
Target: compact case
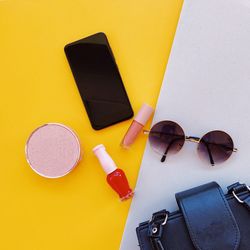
x,y
207,220
53,150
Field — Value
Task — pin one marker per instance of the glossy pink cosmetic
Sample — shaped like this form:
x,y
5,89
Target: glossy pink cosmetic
x,y
137,125
116,178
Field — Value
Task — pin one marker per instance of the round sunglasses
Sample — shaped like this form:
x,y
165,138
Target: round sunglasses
x,y
168,137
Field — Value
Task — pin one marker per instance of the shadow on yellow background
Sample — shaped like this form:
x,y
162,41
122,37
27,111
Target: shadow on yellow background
x,y
78,211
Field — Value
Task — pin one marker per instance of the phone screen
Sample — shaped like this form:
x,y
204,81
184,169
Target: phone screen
x,y
98,80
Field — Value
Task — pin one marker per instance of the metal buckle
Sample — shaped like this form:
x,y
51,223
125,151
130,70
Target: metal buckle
x,y
165,219
156,228
236,196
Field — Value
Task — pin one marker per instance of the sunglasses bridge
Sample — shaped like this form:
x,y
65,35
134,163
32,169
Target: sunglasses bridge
x,y
192,139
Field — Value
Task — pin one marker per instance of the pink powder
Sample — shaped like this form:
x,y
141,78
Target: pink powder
x,y
53,150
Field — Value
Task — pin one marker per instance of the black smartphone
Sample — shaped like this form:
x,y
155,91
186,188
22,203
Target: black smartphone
x,y
98,80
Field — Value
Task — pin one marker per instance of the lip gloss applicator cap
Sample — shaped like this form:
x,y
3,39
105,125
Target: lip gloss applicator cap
x,y
144,114
116,178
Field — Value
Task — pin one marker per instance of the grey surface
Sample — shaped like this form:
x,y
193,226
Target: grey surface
x,y
206,86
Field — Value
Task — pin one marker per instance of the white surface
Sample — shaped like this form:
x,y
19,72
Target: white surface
x,y
206,87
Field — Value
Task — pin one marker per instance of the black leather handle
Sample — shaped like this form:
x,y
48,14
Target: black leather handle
x,y
209,219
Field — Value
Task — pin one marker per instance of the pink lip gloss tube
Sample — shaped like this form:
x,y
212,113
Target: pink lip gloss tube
x,y
137,125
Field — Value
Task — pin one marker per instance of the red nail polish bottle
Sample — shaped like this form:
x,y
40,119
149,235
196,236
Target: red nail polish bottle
x,y
116,178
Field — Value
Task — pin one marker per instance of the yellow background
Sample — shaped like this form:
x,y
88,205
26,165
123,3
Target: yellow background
x,y
78,211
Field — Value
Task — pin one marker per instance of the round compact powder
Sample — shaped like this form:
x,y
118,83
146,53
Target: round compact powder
x,y
53,150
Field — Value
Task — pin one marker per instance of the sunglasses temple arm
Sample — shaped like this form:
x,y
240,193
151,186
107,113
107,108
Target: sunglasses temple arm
x,y
165,154
167,148
224,146
210,155
146,132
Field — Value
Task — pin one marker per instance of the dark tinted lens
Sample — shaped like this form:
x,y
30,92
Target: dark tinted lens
x,y
216,147
166,137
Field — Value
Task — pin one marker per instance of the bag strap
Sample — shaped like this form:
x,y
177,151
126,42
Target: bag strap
x,y
155,229
237,188
208,217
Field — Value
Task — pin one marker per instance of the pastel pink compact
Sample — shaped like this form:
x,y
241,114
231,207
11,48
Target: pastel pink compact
x,y
53,150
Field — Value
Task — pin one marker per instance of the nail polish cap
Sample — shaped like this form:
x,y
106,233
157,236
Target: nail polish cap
x,y
144,114
104,158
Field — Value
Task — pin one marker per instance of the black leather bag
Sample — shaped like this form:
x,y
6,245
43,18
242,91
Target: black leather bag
x,y
207,220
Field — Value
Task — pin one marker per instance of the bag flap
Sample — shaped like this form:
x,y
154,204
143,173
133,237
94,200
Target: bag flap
x,y
208,217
